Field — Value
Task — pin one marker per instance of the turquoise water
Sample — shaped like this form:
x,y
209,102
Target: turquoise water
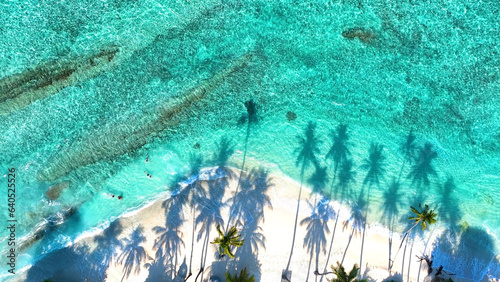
x,y
424,66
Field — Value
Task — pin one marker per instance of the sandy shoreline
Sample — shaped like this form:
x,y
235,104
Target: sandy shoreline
x,y
88,255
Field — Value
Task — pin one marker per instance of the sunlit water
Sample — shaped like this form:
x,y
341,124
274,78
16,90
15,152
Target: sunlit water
x,y
428,67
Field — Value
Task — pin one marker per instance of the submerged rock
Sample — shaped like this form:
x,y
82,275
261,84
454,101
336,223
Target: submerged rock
x,y
55,190
20,90
365,35
291,116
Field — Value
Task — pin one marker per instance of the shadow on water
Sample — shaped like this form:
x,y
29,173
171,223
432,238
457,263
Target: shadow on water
x,y
346,178
422,168
307,150
339,152
449,211
468,253
318,179
317,229
67,264
133,255
408,150
77,262
374,164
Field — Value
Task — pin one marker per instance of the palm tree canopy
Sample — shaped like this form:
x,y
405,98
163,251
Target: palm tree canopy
x,y
342,276
243,277
424,217
225,241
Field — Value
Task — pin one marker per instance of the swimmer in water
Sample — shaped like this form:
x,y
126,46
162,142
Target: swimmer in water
x,y
119,197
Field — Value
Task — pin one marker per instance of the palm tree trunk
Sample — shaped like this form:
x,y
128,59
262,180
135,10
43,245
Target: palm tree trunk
x,y
309,267
296,218
390,244
239,178
362,245
409,261
331,244
400,245
348,243
192,248
425,249
403,264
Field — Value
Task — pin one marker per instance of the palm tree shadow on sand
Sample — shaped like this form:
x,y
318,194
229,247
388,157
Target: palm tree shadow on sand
x,y
210,206
306,156
317,229
133,255
252,201
77,262
391,205
469,253
169,243
375,166
357,220
346,178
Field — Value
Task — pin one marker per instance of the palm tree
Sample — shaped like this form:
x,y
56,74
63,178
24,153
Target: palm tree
x,y
243,277
225,241
342,276
133,255
424,217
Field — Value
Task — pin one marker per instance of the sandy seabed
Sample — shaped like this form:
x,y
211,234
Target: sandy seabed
x,y
266,261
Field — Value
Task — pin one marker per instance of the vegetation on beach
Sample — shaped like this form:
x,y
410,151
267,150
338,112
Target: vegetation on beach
x,y
342,275
227,240
242,277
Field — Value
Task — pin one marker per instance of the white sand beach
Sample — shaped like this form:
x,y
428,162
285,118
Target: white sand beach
x,y
266,262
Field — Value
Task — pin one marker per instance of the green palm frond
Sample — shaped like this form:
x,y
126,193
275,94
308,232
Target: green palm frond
x,y
354,273
225,241
220,231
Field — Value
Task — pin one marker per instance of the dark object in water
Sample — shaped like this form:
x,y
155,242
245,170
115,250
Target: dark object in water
x,y
250,105
291,116
48,225
20,90
365,35
55,190
251,111
196,145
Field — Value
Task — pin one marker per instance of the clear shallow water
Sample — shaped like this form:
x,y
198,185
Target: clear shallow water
x,y
433,68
